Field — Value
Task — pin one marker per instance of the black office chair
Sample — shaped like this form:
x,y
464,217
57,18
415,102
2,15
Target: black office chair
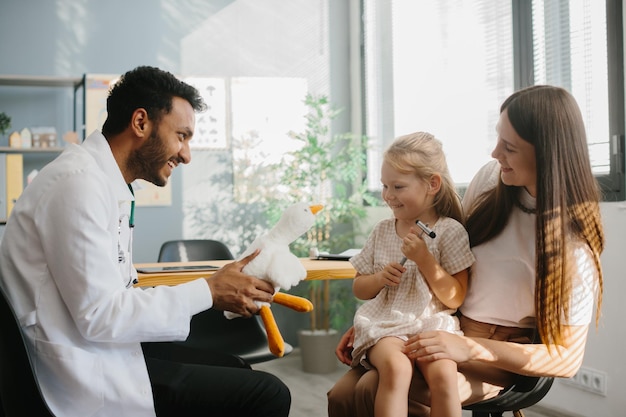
x,y
194,250
20,394
242,337
525,392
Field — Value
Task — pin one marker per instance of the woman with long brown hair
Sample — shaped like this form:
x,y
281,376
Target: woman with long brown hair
x,y
533,219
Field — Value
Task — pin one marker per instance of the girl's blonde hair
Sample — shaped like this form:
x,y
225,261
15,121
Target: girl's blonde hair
x,y
421,154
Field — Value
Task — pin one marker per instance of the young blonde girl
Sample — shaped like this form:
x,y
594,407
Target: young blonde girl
x,y
413,282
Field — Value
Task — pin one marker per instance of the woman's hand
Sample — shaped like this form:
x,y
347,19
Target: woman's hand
x,y
345,346
433,345
526,359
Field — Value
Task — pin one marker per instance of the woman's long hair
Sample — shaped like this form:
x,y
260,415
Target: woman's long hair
x,y
568,198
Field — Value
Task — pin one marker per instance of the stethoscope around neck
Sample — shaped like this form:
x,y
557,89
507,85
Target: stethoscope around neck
x,y
121,255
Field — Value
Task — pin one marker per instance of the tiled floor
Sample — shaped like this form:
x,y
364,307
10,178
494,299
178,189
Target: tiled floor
x,y
308,391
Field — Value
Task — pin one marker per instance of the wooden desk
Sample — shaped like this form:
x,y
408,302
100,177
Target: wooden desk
x,y
316,270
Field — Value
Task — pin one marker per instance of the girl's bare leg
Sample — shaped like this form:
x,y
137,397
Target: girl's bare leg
x,y
395,371
441,377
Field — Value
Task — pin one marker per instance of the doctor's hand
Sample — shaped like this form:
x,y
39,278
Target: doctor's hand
x,y
237,292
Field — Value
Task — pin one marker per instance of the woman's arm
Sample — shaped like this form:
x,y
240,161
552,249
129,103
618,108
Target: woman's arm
x,y
525,359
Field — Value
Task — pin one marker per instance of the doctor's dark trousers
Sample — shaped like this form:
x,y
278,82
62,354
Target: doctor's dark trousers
x,y
190,383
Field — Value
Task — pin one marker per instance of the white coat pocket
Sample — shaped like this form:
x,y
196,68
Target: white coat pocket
x,y
72,377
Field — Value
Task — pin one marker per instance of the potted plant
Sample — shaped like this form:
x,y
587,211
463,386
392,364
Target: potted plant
x,y
5,123
326,169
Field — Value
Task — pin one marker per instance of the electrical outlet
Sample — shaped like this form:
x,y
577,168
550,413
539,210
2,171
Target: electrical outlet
x,y
589,379
598,382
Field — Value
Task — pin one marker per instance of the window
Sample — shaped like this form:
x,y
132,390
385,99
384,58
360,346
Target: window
x,y
445,66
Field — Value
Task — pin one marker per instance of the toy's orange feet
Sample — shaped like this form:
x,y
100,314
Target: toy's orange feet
x,y
294,302
274,338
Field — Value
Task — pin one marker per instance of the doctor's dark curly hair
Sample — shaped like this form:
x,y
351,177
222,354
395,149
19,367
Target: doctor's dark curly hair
x,y
149,88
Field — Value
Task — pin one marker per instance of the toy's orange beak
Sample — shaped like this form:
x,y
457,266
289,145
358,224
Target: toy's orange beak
x,y
316,208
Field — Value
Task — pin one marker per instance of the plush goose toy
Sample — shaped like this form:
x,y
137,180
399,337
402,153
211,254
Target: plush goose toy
x,y
276,264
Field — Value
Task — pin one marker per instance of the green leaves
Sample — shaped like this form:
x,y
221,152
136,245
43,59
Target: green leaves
x,y
5,123
327,169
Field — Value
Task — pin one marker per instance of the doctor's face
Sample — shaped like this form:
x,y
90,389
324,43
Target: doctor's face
x,y
167,146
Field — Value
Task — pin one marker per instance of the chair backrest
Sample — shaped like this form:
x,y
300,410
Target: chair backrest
x,y
194,250
242,337
526,391
19,390
209,329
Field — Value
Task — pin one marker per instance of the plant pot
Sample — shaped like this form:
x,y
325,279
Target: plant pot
x,y
317,349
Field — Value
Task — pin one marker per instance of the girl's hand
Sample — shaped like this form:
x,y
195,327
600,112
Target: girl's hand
x,y
413,245
345,346
434,345
391,275
366,287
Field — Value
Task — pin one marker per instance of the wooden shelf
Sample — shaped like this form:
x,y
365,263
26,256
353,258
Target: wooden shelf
x,y
40,81
12,82
7,149
33,158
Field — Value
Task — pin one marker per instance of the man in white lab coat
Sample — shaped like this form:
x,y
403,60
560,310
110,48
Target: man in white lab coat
x,y
65,263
